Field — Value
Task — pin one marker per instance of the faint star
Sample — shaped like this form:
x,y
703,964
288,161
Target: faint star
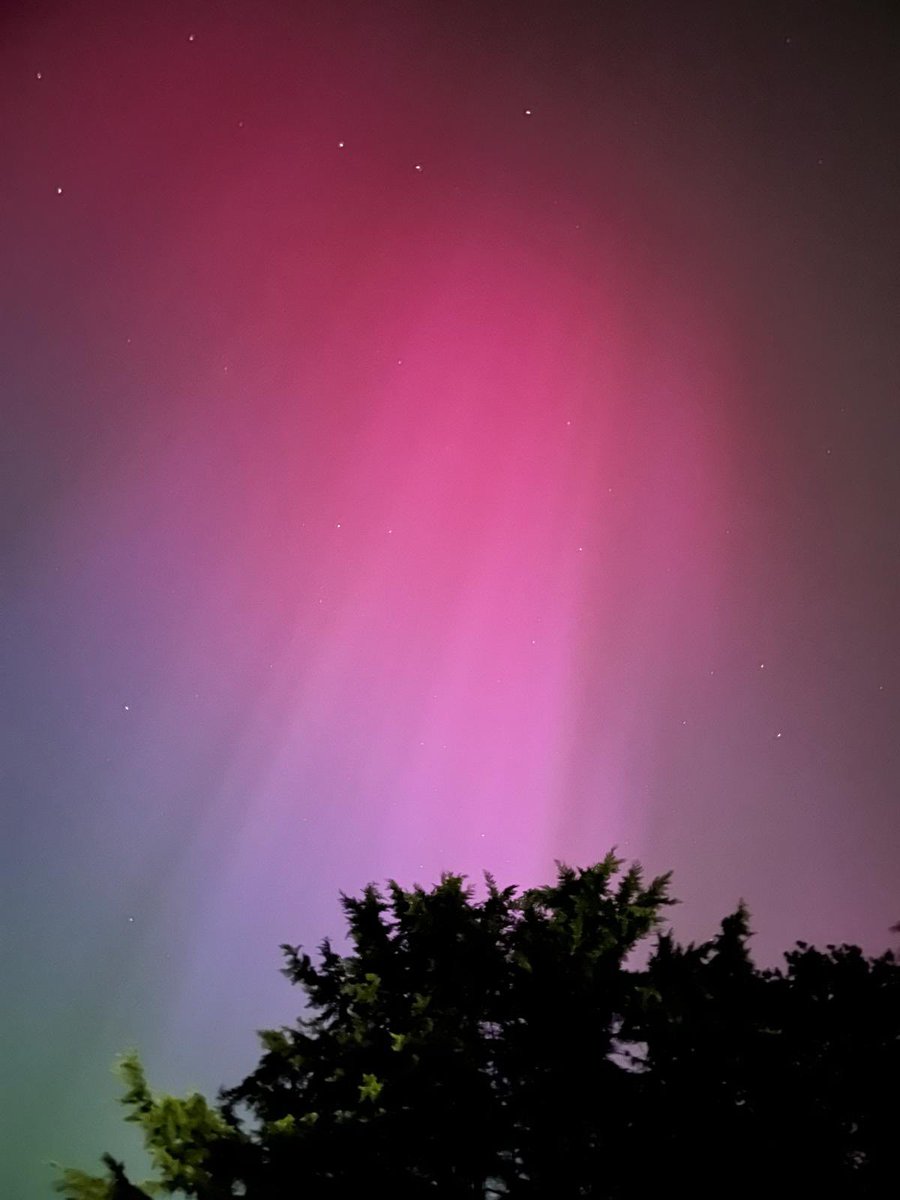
x,y
527,112
59,191
126,707
340,145
38,75
418,166
777,735
190,37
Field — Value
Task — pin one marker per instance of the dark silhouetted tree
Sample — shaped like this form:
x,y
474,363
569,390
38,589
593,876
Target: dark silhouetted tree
x,y
505,1046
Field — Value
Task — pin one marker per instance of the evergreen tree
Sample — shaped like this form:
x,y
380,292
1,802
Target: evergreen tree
x,y
505,1047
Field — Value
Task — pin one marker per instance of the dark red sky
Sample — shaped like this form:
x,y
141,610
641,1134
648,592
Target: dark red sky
x,y
435,436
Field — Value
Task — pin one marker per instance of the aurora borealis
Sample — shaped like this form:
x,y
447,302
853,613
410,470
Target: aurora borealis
x,y
435,437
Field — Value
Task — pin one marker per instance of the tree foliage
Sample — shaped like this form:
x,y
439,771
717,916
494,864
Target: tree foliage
x,y
505,1046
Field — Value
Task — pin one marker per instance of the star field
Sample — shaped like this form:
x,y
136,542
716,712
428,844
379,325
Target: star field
x,y
435,437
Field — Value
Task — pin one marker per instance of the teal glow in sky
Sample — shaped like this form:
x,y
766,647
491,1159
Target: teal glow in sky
x,y
435,436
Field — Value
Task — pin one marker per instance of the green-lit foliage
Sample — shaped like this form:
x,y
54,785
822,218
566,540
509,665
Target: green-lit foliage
x,y
465,1047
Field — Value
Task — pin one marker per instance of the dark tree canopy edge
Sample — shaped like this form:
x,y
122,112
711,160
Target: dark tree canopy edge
x,y
503,1046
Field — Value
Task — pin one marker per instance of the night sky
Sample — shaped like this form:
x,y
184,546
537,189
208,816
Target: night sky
x,y
435,436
